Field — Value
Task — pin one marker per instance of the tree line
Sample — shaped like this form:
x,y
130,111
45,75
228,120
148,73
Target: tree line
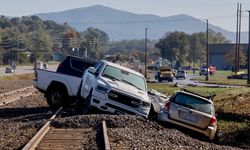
x,y
29,37
187,49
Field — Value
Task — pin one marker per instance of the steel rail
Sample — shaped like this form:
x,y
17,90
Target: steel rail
x,y
32,144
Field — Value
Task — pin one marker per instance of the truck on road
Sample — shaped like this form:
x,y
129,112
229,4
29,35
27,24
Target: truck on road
x,y
165,73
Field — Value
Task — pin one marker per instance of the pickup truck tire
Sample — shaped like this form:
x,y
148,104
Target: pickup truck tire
x,y
87,106
79,104
56,95
152,114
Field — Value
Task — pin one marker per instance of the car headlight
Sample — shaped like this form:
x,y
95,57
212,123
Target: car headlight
x,y
102,89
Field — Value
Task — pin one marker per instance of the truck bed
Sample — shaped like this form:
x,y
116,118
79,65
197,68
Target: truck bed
x,y
45,77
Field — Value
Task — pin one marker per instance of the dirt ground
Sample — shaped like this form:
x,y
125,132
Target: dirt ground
x,y
6,86
20,120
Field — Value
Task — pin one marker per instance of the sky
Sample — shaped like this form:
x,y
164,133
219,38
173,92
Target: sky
x,y
221,13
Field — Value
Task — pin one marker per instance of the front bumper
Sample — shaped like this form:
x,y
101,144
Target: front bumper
x,y
100,101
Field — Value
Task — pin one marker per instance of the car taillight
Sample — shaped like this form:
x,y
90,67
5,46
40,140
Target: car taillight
x,y
213,121
167,105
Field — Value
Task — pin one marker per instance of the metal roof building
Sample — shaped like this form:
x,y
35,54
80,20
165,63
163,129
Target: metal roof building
x,y
218,51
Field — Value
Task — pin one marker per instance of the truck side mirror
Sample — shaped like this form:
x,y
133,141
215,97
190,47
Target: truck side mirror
x,y
92,70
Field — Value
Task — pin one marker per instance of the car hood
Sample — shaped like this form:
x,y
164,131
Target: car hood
x,y
125,88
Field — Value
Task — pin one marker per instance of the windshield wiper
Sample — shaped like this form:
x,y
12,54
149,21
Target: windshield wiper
x,y
131,84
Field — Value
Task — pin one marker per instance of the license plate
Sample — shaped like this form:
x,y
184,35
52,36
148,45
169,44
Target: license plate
x,y
188,117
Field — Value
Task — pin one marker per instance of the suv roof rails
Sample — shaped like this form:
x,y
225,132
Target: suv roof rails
x,y
208,97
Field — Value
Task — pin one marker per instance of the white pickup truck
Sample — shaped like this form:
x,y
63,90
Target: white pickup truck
x,y
107,86
114,88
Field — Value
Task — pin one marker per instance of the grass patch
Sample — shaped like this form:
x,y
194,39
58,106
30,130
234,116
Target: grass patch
x,y
163,88
220,78
168,90
29,76
52,62
232,126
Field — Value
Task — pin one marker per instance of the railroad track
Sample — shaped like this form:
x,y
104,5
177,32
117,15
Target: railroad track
x,y
11,96
49,137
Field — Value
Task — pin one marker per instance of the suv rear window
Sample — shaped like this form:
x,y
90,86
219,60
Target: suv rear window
x,y
193,103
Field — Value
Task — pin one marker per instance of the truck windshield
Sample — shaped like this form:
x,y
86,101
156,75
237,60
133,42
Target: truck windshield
x,y
125,76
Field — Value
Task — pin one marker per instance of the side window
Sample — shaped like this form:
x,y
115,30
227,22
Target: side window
x,y
99,67
77,65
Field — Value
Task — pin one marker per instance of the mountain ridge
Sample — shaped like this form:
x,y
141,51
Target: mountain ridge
x,y
120,24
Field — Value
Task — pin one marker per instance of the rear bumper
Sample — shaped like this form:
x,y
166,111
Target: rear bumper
x,y
209,132
166,78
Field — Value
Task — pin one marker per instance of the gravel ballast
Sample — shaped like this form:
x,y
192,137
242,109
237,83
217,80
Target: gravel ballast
x,y
137,133
20,120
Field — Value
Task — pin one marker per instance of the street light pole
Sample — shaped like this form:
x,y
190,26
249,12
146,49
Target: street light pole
x,y
171,45
207,53
248,53
146,29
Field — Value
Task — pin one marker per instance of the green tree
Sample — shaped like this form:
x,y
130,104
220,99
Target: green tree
x,y
230,57
174,45
39,44
184,47
96,41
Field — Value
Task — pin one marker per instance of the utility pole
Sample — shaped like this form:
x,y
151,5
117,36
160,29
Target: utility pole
x,y
207,53
146,44
171,45
193,62
236,43
238,55
33,39
248,52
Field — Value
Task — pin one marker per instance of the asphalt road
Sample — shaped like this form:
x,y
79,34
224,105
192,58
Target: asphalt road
x,y
189,82
23,70
181,82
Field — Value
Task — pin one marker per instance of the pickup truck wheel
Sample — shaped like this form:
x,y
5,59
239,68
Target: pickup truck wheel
x,y
55,97
87,106
152,114
79,104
